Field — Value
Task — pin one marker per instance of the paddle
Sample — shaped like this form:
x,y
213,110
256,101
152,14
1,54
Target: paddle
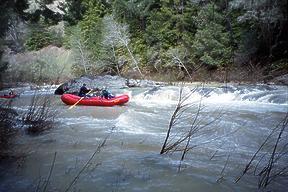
x,y
80,100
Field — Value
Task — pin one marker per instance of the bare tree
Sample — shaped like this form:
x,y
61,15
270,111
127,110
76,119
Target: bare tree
x,y
88,162
176,116
81,53
83,56
270,164
117,35
185,124
178,56
110,40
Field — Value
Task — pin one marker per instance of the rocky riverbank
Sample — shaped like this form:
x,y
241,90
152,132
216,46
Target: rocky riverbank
x,y
114,82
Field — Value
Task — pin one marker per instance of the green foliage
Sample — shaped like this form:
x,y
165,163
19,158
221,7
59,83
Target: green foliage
x,y
171,25
176,36
75,11
91,26
261,26
38,38
135,13
42,35
162,31
211,45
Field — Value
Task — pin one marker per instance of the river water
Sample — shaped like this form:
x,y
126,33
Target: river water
x,y
241,118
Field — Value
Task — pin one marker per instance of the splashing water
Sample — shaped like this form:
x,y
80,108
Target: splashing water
x,y
130,161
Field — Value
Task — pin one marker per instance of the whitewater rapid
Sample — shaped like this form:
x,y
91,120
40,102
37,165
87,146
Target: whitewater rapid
x,y
130,160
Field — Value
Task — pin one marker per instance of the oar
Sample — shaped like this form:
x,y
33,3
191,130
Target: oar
x,y
80,100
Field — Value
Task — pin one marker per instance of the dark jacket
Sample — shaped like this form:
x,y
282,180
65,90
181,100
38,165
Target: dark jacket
x,y
106,94
83,91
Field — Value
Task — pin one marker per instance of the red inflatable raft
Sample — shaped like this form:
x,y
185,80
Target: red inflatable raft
x,y
8,96
71,99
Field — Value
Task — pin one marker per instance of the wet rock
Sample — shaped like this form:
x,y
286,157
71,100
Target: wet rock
x,y
132,83
62,89
139,83
93,82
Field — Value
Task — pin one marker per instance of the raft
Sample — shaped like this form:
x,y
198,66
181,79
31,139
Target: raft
x,y
71,99
8,96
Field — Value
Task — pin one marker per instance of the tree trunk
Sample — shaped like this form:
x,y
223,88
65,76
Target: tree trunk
x,y
82,56
134,60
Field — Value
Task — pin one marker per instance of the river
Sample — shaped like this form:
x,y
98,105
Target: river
x,y
131,160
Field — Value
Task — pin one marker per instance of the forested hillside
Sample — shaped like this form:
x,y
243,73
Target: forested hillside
x,y
223,40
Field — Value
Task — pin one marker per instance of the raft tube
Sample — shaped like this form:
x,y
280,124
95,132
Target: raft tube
x,y
71,99
8,96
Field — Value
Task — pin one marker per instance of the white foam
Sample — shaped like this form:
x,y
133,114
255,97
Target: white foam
x,y
128,123
162,97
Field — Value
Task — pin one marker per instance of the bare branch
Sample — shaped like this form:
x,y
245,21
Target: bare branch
x,y
100,146
271,169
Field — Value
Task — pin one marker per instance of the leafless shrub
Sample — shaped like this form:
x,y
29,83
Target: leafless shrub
x,y
117,35
178,56
43,183
269,162
7,131
222,174
40,115
185,124
88,162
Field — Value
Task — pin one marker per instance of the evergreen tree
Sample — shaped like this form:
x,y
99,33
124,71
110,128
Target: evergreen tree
x,y
39,36
262,26
91,26
135,13
169,27
211,45
75,11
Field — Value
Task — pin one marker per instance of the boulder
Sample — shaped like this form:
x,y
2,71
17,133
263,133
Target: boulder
x,y
139,83
93,82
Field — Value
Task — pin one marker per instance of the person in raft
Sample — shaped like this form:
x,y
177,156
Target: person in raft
x,y
11,92
83,91
97,92
106,94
